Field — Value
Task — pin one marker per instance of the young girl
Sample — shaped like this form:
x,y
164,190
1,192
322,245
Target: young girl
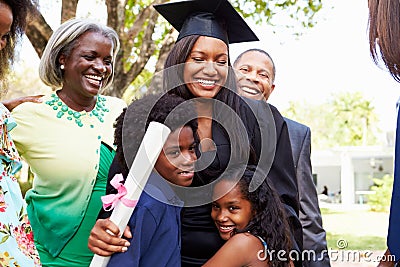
x,y
253,223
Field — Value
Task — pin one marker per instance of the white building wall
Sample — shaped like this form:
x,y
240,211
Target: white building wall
x,y
349,170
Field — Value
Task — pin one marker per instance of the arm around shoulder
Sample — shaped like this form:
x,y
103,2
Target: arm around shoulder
x,y
10,104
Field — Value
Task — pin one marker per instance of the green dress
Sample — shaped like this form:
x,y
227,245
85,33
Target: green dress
x,y
73,255
62,147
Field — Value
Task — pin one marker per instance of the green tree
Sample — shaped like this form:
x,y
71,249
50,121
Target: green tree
x,y
347,119
144,35
24,80
380,201
355,119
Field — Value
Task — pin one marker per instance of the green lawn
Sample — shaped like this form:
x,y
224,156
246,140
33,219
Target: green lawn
x,y
355,242
355,229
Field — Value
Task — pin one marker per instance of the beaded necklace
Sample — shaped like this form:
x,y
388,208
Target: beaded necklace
x,y
62,109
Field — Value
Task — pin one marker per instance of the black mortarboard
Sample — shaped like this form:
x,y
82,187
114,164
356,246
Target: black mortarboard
x,y
214,18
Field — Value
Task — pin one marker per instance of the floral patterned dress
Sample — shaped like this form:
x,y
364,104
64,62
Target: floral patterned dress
x,y
16,238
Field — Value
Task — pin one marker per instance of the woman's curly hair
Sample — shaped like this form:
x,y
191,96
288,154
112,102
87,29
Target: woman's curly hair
x,y
131,125
20,10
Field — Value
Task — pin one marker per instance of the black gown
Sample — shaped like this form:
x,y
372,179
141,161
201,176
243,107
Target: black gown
x,y
200,238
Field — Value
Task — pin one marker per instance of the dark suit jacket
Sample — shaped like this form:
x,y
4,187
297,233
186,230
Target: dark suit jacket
x,y
314,236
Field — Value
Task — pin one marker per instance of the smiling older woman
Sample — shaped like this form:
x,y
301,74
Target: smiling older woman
x,y
16,238
68,140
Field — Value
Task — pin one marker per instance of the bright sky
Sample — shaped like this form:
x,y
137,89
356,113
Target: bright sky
x,y
331,57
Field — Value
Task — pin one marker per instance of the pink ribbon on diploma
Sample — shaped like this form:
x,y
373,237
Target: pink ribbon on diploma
x,y
109,201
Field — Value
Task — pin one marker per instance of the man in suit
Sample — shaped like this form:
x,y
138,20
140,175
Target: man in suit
x,y
256,75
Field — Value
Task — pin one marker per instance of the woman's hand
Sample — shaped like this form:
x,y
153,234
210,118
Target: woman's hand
x,y
10,104
386,260
104,240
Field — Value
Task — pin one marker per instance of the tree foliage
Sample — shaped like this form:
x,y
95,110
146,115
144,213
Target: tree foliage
x,y
23,81
296,12
144,35
347,119
380,200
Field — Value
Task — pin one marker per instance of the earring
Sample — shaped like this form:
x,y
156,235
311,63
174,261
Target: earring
x,y
62,66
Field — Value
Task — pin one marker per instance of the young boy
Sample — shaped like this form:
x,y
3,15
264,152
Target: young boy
x,y
155,222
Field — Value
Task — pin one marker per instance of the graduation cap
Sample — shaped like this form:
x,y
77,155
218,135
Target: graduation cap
x,y
214,18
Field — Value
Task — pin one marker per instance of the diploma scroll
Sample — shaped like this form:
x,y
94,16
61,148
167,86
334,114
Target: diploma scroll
x,y
143,164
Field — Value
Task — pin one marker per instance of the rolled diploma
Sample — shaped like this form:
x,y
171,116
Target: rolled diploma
x,y
143,164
